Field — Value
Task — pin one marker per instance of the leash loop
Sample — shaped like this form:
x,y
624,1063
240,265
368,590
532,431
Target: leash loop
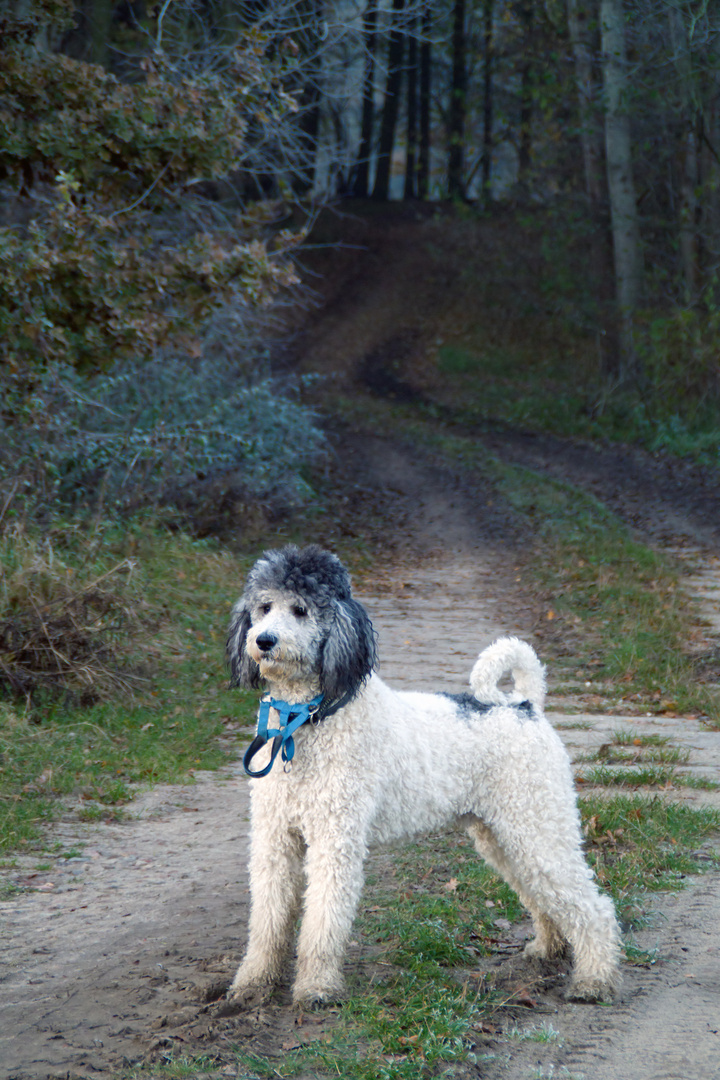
x,y
291,717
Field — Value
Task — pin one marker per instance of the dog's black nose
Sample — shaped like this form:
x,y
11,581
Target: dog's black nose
x,y
265,642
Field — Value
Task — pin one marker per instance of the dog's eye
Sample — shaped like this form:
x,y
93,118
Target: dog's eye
x,y
265,608
299,612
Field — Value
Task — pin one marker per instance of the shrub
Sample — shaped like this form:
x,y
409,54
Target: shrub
x,y
148,430
63,624
109,254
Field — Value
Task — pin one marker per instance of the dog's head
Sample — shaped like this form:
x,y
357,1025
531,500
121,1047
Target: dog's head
x,y
297,623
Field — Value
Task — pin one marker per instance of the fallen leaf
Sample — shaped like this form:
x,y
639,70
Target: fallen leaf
x,y
523,997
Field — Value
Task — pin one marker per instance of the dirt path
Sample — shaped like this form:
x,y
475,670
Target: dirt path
x,y
107,954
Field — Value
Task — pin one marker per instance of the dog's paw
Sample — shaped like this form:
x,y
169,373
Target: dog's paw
x,y
242,998
550,949
593,991
311,999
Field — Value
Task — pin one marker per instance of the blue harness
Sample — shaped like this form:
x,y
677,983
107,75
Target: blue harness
x,y
292,717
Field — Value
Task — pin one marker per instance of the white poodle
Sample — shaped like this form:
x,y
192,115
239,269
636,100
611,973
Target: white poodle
x,y
353,762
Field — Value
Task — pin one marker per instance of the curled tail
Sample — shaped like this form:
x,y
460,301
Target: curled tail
x,y
509,655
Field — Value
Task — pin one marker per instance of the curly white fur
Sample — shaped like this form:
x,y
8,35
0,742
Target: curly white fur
x,y
395,764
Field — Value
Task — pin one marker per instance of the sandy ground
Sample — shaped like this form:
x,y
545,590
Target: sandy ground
x,y
107,956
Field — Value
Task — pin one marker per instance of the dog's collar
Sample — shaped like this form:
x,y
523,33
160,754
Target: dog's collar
x,y
291,717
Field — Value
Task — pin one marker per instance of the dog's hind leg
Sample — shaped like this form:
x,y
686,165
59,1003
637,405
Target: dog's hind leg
x,y
276,875
548,942
555,884
334,869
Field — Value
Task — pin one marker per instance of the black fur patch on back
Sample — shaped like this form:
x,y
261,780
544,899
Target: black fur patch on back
x,y
469,703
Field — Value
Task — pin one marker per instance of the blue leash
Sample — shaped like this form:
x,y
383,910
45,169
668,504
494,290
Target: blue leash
x,y
292,717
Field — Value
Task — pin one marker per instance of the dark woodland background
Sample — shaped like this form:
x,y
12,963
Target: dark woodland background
x,y
164,168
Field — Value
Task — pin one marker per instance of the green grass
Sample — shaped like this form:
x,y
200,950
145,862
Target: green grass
x,y
56,751
629,748
622,737
546,389
645,776
639,957
618,598
497,385
543,1033
639,845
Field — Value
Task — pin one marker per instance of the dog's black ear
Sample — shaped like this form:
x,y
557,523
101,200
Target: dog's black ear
x,y
349,653
243,669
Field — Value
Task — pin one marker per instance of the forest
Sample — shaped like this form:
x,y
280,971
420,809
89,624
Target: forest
x,y
162,166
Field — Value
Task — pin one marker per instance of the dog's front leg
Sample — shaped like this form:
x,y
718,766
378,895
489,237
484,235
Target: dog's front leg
x,y
275,887
334,869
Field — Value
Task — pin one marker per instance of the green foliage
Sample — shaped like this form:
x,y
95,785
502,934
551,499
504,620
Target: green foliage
x,y
678,411
113,386
147,430
115,260
64,115
680,355
85,285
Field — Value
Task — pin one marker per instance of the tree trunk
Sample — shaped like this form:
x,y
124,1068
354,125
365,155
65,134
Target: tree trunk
x,y
411,155
99,16
424,102
689,157
487,100
621,190
527,17
362,174
393,88
711,162
585,46
88,38
458,106
310,98
591,134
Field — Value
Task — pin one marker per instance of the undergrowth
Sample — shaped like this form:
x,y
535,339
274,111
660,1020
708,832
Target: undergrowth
x,y
498,385
167,430
57,750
